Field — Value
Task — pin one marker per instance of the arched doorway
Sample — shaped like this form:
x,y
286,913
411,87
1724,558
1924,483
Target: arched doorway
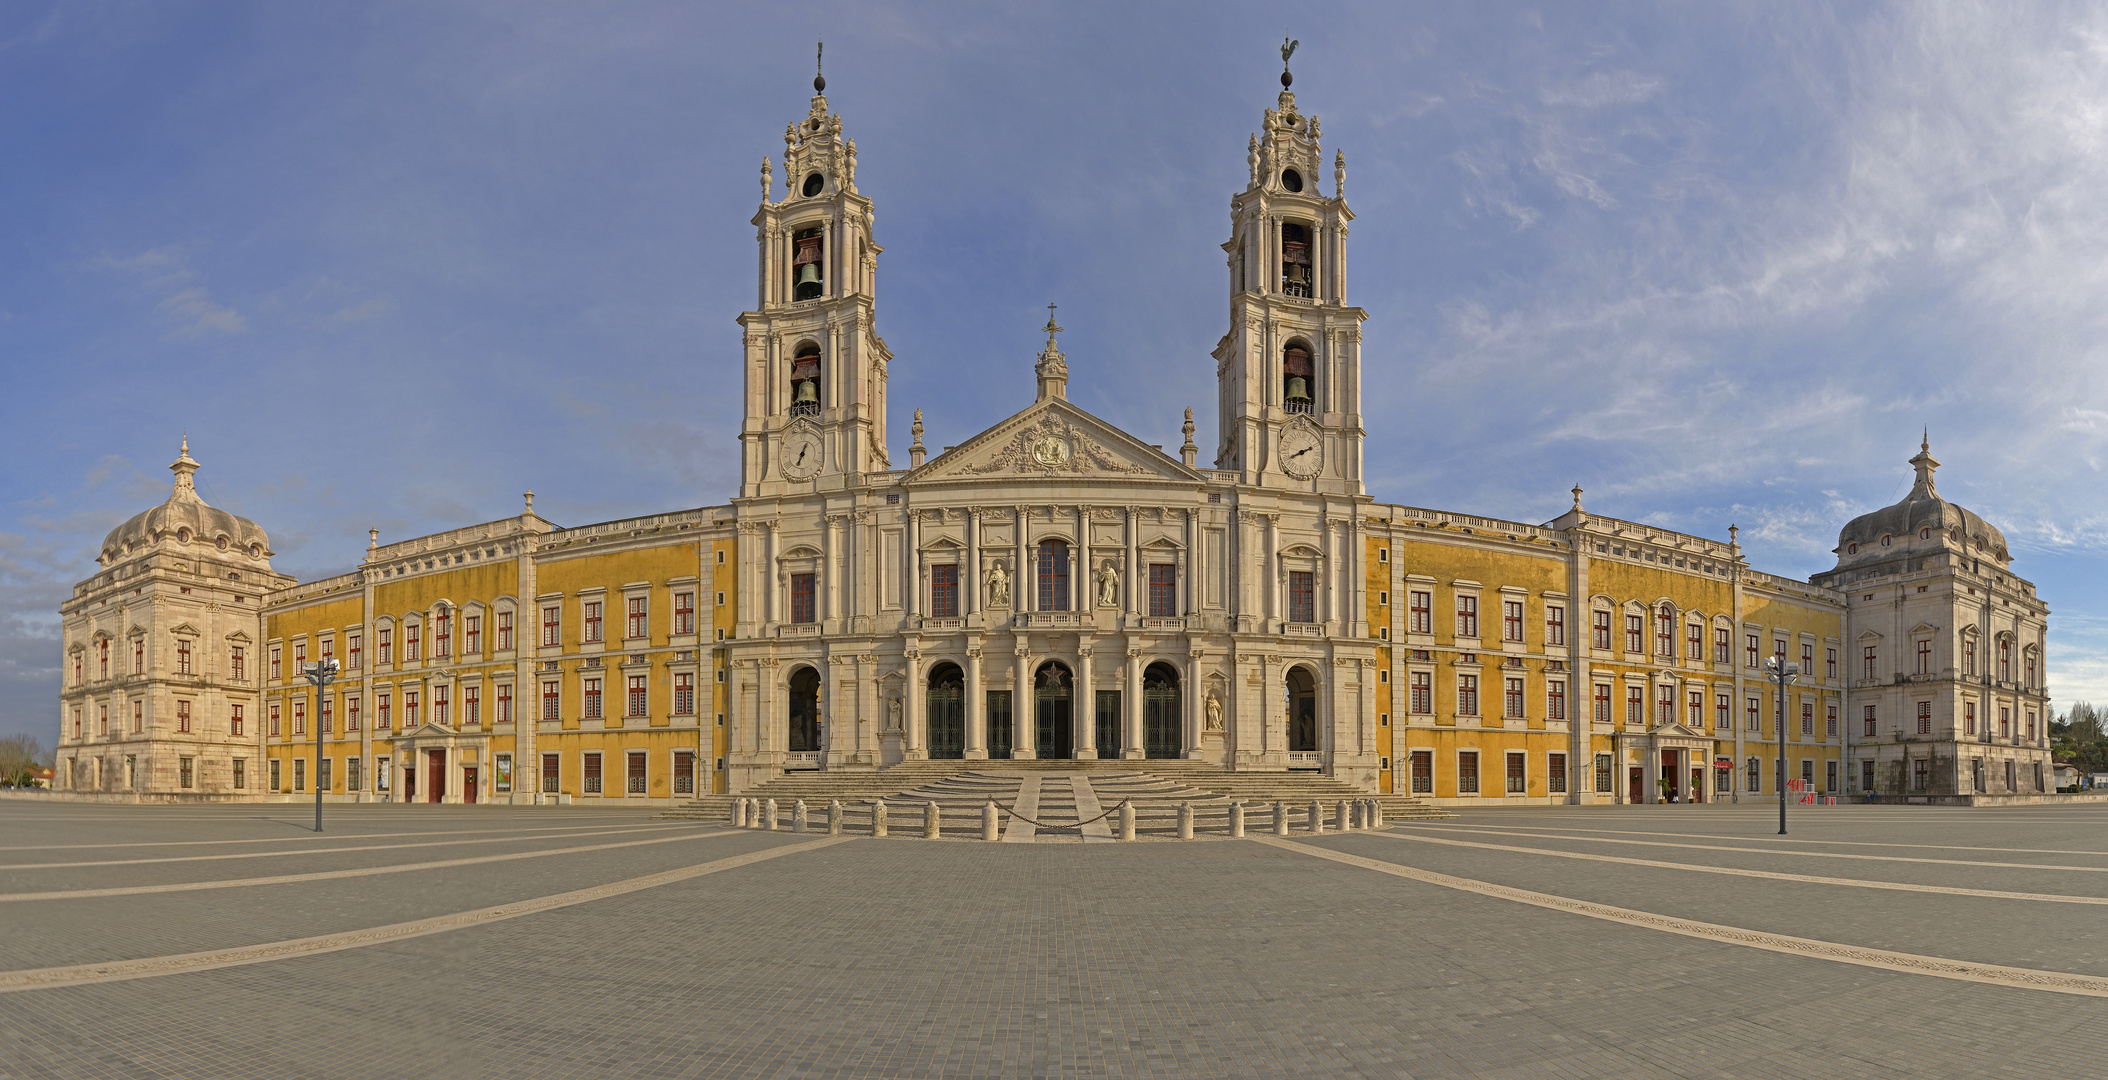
x,y
1053,697
1302,712
947,712
804,733
1161,711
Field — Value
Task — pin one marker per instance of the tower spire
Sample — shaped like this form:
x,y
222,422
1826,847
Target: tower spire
x,y
185,468
1924,463
1053,368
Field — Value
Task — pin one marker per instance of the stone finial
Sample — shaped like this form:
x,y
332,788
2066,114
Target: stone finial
x,y
1339,174
373,539
1053,368
1251,157
530,504
185,468
849,169
1577,498
1188,452
915,450
1924,463
767,179
1734,543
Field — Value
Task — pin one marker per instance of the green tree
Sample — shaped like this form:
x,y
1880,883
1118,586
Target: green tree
x,y
17,754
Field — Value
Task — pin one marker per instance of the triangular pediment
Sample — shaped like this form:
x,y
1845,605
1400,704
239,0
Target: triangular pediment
x,y
1055,440
430,730
1674,730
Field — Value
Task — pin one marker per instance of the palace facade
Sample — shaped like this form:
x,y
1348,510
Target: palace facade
x,y
1054,587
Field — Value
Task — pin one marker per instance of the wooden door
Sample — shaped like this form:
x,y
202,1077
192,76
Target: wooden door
x,y
468,784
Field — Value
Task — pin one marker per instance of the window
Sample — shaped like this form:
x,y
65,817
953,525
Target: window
x,y
1830,665
1423,699
299,774
472,706
1720,645
1919,770
183,718
592,773
385,645
183,656
1163,591
1467,695
1830,722
299,657
552,700
1602,714
2005,722
1968,718
1807,718
322,777
1665,631
1467,616
299,717
1053,575
79,676
551,772
2030,671
1664,704
2012,784
639,617
1635,705
505,703
592,621
684,610
1755,722
639,697
1755,772
1969,656
409,709
411,645
801,600
1517,780
234,721
380,712
683,772
241,774
1554,625
472,634
1420,616
1423,769
684,694
552,625
352,643
1602,772
1635,632
2005,659
1555,699
1924,656
1924,717
1807,660
1694,641
326,715
592,696
351,711
138,656
275,676
1467,772
1868,659
138,723
635,785
352,779
1750,643
273,721
443,634
944,591
2031,725
102,720
1599,632
1696,709
1511,620
1511,704
1302,601
1555,774
1871,721
504,631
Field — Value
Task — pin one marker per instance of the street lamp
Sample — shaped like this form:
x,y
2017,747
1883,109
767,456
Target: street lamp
x,y
319,673
1777,668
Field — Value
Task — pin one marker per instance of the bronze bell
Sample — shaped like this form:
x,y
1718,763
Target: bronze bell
x,y
809,274
805,392
1298,390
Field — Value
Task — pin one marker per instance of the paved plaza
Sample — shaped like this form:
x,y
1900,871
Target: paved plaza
x,y
494,942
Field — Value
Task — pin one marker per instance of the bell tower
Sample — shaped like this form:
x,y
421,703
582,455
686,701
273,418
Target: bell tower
x,y
1289,370
814,367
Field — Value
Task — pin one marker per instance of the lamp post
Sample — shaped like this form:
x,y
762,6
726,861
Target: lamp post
x,y
1778,668
319,673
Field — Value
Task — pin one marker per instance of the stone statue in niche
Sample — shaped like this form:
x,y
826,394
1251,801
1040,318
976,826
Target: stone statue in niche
x,y
1214,712
998,586
893,713
1108,585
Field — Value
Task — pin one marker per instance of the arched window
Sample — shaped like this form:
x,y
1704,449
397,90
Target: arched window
x,y
1161,711
1295,260
1298,382
1053,575
804,731
1665,631
805,381
1302,712
807,270
947,712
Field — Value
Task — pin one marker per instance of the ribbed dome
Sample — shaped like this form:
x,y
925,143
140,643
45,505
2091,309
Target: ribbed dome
x,y
1920,524
185,519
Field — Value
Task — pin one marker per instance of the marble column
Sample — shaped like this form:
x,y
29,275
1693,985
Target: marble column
x,y
970,574
914,582
768,571
1023,718
827,574
1137,581
1081,583
976,710
1022,584
912,693
1132,728
1190,704
1084,711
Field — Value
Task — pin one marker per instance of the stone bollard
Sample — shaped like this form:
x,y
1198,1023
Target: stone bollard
x,y
1236,819
931,829
1339,816
988,820
1317,818
768,816
1280,818
834,817
1185,821
1354,814
739,813
878,817
799,822
1376,809
753,813
1127,821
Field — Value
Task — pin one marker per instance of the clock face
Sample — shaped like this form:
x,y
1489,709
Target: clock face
x,y
1302,452
1051,451
801,455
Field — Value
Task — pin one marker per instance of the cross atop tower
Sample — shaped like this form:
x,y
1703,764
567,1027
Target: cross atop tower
x,y
1053,368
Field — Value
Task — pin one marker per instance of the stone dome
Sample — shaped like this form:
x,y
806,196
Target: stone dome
x,y
185,519
1922,523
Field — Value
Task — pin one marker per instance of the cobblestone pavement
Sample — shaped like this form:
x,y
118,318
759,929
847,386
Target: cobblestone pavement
x,y
604,943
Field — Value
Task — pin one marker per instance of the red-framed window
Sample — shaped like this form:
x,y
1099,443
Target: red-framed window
x,y
1423,764
1807,660
1517,781
1163,591
504,630
413,648
1830,665
1830,722
1555,699
1467,616
1665,631
299,658
472,705
1302,596
1421,614
351,711
1467,695
552,700
1924,717
1555,774
505,703
2005,723
1724,711
1721,646
639,617
1635,705
1053,580
552,625
1756,722
636,775
1511,704
384,645
592,624
472,634
1868,657
275,669
1694,641
1872,721
2030,671
183,716
1696,709
1750,643
684,694
1602,703
1467,772
684,611
409,709
138,656
684,772
102,721
1511,620
592,773
803,607
1807,718
552,772
443,634
1968,718
234,721
1664,704
1423,700
1635,634
2005,659
299,717
944,591
591,690
182,656
1968,656
326,713
352,658
639,696
383,706
1554,625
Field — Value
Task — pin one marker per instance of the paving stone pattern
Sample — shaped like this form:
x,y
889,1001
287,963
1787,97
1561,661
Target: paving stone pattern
x,y
900,957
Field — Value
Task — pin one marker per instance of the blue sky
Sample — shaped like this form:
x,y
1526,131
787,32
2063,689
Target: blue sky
x,y
392,264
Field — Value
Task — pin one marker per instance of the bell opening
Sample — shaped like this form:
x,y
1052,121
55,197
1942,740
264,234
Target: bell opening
x,y
808,277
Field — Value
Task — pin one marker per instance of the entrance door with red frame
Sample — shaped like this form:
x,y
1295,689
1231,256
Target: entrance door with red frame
x,y
1697,783
1669,773
468,783
409,783
435,775
1637,786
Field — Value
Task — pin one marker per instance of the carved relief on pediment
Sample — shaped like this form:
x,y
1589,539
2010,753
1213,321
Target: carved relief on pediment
x,y
1053,447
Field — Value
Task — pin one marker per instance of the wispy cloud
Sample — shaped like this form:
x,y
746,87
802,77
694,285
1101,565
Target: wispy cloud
x,y
190,310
